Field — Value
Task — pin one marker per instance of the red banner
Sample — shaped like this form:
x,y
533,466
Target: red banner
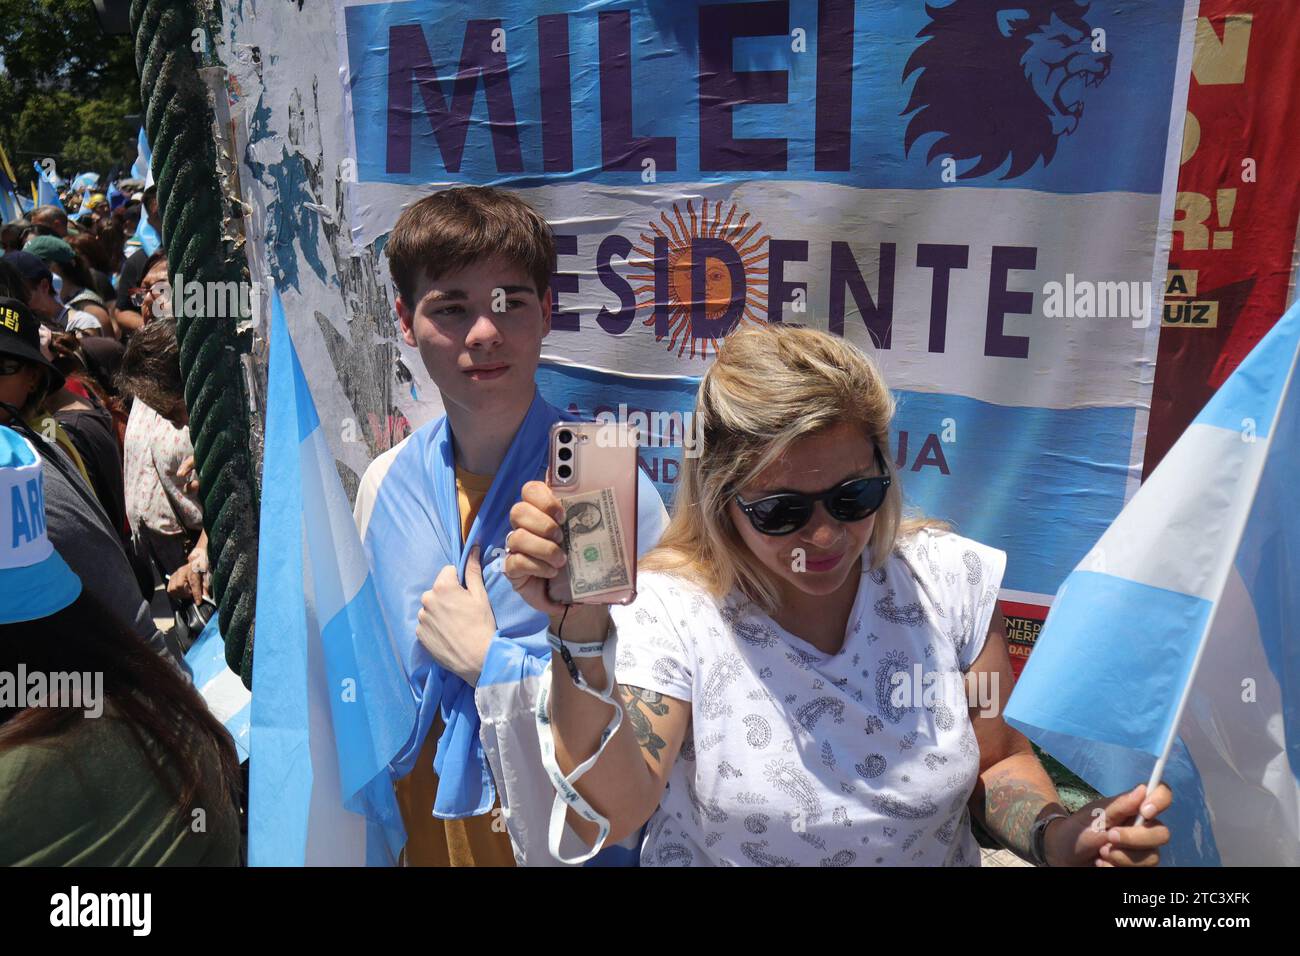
x,y
1233,253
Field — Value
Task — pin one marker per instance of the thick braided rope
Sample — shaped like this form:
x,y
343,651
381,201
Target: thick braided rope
x,y
178,121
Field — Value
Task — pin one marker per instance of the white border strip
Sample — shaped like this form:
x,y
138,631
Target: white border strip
x,y
1164,237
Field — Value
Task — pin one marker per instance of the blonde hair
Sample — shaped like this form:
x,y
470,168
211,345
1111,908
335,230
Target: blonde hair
x,y
770,386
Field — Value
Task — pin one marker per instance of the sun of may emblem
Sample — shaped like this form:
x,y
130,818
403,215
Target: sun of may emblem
x,y
726,288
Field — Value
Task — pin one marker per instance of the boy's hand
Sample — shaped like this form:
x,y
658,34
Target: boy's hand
x,y
456,623
535,546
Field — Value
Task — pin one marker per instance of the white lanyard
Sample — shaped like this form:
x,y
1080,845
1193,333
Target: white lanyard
x,y
565,794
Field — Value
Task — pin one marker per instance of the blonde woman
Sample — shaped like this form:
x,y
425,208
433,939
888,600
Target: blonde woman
x,y
794,670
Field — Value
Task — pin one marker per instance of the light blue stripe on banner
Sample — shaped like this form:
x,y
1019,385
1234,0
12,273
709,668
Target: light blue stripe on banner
x,y
206,660
1247,402
280,771
1117,145
1136,675
203,661
1042,484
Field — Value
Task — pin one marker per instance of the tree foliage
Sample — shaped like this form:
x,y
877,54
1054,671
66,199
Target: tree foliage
x,y
65,87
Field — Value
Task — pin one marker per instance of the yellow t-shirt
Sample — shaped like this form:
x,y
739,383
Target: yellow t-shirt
x,y
46,424
431,841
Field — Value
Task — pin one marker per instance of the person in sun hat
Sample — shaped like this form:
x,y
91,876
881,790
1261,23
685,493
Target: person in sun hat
x,y
78,524
108,756
27,376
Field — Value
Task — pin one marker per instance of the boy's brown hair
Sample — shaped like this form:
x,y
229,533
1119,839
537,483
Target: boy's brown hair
x,y
450,229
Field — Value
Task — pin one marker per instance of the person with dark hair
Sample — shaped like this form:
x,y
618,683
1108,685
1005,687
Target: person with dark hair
x,y
129,317
110,232
78,524
43,298
11,235
73,277
11,282
453,255
118,762
27,378
51,219
93,254
153,296
164,510
83,410
87,418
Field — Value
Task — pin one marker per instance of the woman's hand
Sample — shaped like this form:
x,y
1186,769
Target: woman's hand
x,y
535,547
1103,832
188,474
185,584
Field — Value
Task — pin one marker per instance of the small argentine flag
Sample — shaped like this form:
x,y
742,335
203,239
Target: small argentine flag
x,y
142,168
1174,647
46,193
331,703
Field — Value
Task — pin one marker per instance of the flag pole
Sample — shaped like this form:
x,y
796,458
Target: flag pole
x,y
1219,586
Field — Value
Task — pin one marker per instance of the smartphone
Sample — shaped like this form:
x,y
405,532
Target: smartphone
x,y
593,472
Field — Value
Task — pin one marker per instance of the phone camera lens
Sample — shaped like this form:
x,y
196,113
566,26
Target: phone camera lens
x,y
565,454
564,471
566,436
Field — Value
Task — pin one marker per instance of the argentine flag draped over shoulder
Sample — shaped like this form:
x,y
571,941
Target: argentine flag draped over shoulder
x,y
331,705
1178,636
408,511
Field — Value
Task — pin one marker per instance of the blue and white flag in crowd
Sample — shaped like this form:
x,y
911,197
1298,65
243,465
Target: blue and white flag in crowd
x,y
331,703
219,686
145,237
46,193
142,168
84,182
1179,633
10,207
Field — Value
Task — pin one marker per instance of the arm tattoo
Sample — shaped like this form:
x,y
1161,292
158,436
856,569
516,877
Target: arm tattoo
x,y
1011,805
634,700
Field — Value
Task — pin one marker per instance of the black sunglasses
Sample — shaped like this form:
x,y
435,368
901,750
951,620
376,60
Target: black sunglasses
x,y
788,511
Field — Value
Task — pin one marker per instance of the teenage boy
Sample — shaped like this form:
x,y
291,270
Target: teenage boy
x,y
472,268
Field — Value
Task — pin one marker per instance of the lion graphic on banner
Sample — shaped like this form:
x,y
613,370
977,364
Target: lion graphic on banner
x,y
999,79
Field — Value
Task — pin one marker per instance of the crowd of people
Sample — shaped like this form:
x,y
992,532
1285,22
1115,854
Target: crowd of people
x,y
109,542
739,711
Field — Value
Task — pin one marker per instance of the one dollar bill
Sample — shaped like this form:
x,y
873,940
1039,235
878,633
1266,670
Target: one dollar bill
x,y
593,539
